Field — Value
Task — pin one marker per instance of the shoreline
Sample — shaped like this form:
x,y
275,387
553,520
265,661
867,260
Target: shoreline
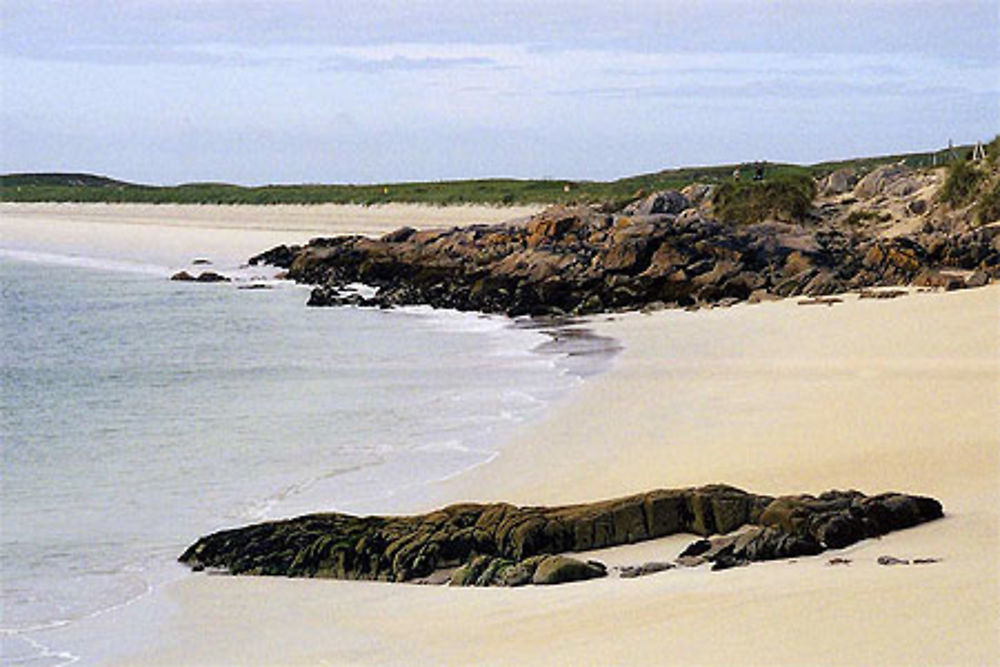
x,y
789,612
772,397
493,335
171,236
784,612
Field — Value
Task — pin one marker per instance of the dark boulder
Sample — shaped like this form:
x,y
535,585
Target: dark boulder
x,y
281,256
562,569
205,277
666,201
504,545
212,277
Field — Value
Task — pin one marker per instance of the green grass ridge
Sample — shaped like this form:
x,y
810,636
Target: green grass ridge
x,y
782,180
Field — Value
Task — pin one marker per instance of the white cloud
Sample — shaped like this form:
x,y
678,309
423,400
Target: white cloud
x,y
424,90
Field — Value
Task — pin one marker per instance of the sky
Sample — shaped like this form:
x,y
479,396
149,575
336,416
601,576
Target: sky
x,y
255,92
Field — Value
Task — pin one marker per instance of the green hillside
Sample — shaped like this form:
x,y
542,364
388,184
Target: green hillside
x,y
497,191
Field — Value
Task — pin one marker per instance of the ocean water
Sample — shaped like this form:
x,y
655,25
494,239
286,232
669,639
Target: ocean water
x,y
139,414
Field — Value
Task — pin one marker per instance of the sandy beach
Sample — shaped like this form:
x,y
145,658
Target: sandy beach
x,y
775,398
174,234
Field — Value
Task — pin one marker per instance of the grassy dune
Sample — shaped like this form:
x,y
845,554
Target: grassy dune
x,y
494,191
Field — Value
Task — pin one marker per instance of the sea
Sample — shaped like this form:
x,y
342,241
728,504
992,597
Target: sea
x,y
139,414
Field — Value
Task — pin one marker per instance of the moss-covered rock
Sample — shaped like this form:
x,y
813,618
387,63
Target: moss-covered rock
x,y
562,569
501,544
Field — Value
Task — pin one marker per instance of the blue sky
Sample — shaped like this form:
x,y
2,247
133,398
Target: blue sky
x,y
168,91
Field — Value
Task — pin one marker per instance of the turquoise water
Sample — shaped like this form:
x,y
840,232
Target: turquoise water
x,y
140,413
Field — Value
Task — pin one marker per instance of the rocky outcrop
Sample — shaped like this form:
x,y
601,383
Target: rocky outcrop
x,y
541,570
204,277
503,545
659,250
805,526
667,201
887,179
837,182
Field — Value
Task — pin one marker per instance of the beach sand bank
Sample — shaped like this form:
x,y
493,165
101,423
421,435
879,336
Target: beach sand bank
x,y
776,398
174,234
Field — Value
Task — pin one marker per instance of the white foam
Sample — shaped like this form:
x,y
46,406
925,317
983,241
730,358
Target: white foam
x,y
361,289
85,262
443,446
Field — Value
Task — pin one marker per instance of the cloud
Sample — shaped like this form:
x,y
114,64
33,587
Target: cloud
x,y
255,90
403,63
945,28
222,55
774,88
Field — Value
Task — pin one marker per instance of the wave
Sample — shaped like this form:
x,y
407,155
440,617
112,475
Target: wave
x,y
82,261
259,275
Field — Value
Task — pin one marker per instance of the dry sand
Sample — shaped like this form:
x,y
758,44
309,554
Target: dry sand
x,y
777,398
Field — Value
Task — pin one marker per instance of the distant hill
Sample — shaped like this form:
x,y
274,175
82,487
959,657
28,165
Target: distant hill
x,y
495,191
61,180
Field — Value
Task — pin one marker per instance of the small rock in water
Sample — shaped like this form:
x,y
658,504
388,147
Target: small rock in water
x,y
206,277
212,277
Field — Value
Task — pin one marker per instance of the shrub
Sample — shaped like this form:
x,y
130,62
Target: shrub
x,y
960,185
993,150
988,206
788,197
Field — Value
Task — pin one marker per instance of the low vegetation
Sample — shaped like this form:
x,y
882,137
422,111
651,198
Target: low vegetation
x,y
988,206
961,184
787,196
976,182
494,191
